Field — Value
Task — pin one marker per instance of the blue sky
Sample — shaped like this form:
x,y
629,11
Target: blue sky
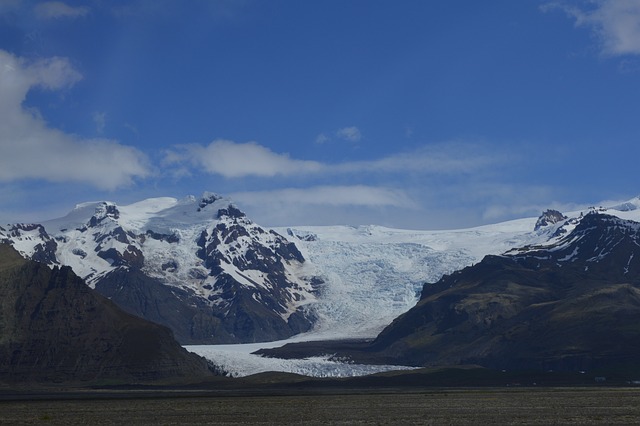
x,y
412,114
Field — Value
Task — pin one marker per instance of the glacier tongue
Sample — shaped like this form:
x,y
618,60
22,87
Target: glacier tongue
x,y
238,361
368,285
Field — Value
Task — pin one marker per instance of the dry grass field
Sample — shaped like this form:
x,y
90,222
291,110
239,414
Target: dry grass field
x,y
542,406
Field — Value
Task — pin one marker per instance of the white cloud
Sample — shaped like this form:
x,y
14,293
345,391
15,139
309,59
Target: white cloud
x,y
30,149
351,134
58,9
421,187
234,160
615,22
446,158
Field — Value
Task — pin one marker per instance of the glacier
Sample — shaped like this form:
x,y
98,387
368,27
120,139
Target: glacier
x,y
373,274
239,361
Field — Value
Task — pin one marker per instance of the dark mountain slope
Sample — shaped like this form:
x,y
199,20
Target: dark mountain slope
x,y
572,305
55,328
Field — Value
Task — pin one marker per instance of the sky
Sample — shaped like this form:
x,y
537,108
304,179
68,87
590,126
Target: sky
x,y
414,114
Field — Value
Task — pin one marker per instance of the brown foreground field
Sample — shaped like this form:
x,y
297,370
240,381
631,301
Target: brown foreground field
x,y
434,406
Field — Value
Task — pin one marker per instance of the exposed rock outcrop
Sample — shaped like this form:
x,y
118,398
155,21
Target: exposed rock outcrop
x,y
549,217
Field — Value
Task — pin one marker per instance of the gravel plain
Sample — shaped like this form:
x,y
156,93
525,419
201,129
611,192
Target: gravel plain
x,y
534,406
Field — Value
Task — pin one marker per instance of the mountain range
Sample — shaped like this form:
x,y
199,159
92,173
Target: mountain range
x,y
557,291
202,268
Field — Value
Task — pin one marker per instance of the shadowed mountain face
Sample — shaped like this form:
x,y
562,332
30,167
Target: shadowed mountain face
x,y
55,328
572,305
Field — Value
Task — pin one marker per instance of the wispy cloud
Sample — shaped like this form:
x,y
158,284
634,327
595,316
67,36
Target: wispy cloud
x,y
445,158
616,23
322,139
413,188
236,160
350,134
30,149
100,119
58,10
133,129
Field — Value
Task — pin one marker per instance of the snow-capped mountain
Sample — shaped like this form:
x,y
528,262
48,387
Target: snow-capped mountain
x,y
568,299
568,304
199,266
203,265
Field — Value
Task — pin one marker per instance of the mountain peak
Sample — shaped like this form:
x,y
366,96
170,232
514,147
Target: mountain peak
x,y
103,211
549,217
208,198
631,205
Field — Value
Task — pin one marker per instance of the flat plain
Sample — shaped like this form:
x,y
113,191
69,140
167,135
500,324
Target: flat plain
x,y
534,406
